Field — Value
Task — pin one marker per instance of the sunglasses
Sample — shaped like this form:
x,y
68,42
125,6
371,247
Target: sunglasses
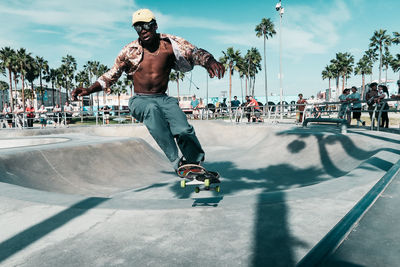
x,y
146,26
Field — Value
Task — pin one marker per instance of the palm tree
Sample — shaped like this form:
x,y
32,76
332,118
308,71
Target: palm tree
x,y
43,67
230,60
243,69
372,57
175,76
25,63
60,83
68,69
380,41
128,82
364,67
118,88
31,75
329,73
16,76
344,63
253,58
6,57
396,38
92,69
2,69
387,59
82,78
336,71
51,77
29,93
102,69
265,29
3,87
242,66
395,64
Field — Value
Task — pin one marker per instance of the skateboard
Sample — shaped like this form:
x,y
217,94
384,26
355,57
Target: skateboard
x,y
197,175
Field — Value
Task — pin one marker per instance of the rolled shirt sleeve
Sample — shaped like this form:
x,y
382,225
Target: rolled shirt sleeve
x,y
112,76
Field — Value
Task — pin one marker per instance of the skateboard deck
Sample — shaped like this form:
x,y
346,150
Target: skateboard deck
x,y
198,176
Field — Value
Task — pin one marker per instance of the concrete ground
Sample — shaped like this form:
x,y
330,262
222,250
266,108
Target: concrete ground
x,y
106,196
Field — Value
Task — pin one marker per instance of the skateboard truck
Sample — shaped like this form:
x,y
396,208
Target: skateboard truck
x,y
207,185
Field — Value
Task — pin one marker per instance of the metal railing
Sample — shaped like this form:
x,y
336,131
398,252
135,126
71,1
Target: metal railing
x,y
268,114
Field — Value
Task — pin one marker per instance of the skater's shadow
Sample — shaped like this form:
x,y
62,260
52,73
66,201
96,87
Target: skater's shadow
x,y
207,202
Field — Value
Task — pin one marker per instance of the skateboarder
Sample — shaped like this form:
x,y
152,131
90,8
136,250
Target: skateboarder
x,y
148,61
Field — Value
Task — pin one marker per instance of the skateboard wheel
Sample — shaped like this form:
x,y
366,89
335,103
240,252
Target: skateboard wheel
x,y
183,183
197,190
217,189
207,182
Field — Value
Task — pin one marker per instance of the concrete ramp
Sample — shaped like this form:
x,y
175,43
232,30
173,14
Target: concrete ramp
x,y
283,189
100,169
249,159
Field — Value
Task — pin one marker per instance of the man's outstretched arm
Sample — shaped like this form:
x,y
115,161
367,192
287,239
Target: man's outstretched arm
x,y
82,91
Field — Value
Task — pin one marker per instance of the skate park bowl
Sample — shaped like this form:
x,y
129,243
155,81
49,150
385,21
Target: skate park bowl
x,y
283,188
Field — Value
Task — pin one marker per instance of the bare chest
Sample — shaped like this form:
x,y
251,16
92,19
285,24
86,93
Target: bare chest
x,y
161,59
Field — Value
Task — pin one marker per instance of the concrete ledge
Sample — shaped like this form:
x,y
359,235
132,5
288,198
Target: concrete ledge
x,y
341,230
326,120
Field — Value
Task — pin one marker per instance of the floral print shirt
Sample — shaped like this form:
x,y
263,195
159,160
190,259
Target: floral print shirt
x,y
128,60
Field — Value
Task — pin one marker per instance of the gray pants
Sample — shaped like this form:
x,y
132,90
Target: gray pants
x,y
166,122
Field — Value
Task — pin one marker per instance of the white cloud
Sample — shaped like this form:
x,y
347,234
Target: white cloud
x,y
64,27
102,13
306,30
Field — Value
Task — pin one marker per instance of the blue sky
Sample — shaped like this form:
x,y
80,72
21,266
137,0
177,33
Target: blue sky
x,y
313,31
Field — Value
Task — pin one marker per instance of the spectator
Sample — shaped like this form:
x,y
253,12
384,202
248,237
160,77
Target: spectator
x,y
217,108
43,116
106,113
19,116
201,107
355,98
301,106
57,114
8,114
194,104
247,108
371,95
30,115
67,113
383,93
255,108
344,112
235,103
316,111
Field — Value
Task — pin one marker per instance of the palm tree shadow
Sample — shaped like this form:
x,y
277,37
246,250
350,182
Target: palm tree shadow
x,y
25,238
344,141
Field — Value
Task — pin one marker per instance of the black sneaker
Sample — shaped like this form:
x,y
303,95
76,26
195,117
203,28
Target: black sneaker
x,y
182,161
178,164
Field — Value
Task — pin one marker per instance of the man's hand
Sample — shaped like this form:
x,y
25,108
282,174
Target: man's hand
x,y
80,91
215,69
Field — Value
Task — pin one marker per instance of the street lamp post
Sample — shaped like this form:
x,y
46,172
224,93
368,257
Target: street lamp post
x,y
206,95
281,10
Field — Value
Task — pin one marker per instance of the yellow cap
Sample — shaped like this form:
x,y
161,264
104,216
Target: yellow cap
x,y
142,15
